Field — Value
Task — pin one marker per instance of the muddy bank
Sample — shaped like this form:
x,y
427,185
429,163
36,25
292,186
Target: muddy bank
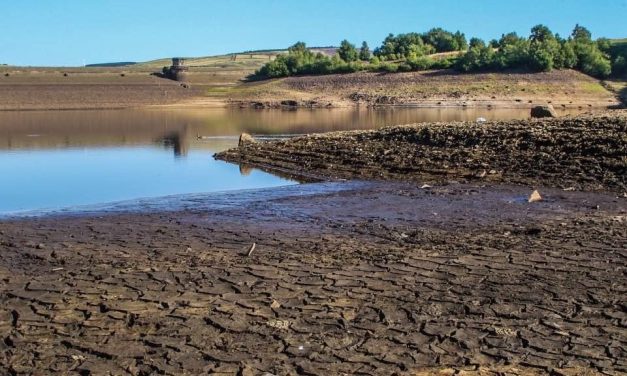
x,y
373,279
584,152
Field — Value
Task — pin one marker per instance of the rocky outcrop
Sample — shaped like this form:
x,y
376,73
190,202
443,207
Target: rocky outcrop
x,y
585,152
288,104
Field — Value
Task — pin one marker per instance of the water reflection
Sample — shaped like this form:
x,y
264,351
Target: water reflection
x,y
54,159
182,130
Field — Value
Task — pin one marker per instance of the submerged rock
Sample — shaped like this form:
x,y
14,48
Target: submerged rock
x,y
543,112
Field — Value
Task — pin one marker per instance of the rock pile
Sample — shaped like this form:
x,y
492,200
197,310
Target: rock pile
x,y
584,152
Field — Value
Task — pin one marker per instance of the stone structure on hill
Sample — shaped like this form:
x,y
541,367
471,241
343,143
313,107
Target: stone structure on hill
x,y
178,71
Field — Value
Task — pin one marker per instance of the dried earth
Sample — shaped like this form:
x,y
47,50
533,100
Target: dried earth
x,y
346,278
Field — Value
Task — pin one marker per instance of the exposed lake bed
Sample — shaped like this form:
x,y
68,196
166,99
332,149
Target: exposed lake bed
x,y
377,276
372,278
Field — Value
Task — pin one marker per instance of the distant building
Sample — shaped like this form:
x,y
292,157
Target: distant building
x,y
178,69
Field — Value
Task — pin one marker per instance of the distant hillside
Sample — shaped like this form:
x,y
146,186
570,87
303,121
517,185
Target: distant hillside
x,y
247,60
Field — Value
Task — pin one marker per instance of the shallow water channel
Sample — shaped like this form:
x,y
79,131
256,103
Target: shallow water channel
x,y
59,159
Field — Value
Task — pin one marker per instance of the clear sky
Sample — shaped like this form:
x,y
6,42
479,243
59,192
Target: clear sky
x,y
70,32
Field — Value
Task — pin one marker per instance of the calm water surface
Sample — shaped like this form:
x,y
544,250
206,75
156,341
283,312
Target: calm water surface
x,y
58,159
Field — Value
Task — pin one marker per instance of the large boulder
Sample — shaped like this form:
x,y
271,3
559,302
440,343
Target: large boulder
x,y
246,139
543,112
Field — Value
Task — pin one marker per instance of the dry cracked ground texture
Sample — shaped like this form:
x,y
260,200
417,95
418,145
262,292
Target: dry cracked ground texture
x,y
387,286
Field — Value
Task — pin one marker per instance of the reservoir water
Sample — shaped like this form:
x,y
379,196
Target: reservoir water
x,y
59,159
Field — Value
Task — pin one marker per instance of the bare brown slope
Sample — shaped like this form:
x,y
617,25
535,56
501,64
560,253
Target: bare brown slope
x,y
219,85
588,152
565,89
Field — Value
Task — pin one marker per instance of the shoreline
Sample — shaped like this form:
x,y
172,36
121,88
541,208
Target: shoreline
x,y
277,106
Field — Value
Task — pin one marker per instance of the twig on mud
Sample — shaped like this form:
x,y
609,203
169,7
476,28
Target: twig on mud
x,y
251,249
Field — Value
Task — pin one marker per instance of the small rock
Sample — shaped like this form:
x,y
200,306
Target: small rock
x,y
279,324
41,246
535,196
275,304
245,139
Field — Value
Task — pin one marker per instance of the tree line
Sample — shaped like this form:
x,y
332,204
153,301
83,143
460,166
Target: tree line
x,y
541,51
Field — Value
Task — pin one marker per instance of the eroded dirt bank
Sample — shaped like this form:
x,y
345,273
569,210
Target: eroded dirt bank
x,y
375,278
583,152
441,88
32,88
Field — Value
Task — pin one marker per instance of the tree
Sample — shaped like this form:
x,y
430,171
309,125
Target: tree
x,y
604,45
590,59
509,39
476,42
540,59
580,33
364,52
478,57
462,44
540,34
513,52
403,46
566,57
347,51
544,52
298,47
442,40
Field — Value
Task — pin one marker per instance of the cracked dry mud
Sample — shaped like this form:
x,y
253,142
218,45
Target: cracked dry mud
x,y
380,278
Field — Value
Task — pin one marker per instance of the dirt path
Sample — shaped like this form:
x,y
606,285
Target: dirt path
x,y
373,278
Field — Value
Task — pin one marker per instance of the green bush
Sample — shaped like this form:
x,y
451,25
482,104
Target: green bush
x,y
420,63
541,51
347,51
364,52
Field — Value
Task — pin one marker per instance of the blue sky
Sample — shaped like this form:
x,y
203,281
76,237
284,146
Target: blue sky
x,y
70,32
